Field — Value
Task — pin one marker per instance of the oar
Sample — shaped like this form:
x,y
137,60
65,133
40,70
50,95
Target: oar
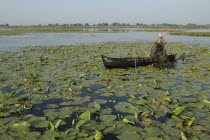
x,y
134,56
165,33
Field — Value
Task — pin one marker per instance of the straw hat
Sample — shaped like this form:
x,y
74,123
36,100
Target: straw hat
x,y
160,35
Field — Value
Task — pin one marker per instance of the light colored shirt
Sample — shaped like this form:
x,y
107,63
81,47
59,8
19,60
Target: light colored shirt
x,y
160,42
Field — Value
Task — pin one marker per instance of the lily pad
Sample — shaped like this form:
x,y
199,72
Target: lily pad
x,y
20,127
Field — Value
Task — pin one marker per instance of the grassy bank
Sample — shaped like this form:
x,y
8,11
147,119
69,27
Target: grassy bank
x,y
61,30
65,30
201,34
65,92
178,32
157,30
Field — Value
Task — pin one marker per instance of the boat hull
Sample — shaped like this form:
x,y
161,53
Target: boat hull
x,y
133,62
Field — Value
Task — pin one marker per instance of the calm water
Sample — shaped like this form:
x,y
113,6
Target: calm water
x,y
14,42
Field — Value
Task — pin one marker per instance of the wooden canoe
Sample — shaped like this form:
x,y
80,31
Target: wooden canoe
x,y
133,62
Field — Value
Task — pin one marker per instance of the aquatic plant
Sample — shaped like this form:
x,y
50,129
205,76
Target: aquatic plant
x,y
75,97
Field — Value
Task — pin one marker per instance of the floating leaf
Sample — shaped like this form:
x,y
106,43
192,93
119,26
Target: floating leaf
x,y
98,135
129,136
98,107
166,93
13,93
52,106
153,132
81,75
206,101
136,116
193,105
57,124
183,136
133,97
155,82
168,99
178,110
108,118
139,85
80,123
184,117
51,126
21,127
127,121
191,121
85,116
2,107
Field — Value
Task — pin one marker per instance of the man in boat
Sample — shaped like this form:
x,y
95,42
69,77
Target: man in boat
x,y
158,53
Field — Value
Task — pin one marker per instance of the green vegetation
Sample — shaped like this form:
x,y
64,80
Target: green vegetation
x,y
178,32
65,92
203,34
61,30
157,30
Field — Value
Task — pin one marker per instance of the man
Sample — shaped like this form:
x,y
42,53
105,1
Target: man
x,y
158,52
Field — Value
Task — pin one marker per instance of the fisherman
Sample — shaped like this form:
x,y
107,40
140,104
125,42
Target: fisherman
x,y
158,53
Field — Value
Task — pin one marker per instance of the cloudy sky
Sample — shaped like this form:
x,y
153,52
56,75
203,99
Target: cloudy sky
x,y
33,12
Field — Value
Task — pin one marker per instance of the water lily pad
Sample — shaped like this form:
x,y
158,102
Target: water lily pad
x,y
85,116
108,118
98,135
129,136
178,110
153,132
20,127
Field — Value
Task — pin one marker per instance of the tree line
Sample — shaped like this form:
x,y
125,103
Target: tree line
x,y
115,24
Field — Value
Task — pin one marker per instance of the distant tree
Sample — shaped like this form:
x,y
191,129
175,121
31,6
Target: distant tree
x,y
123,24
6,25
105,24
86,24
99,24
65,25
78,24
191,24
115,24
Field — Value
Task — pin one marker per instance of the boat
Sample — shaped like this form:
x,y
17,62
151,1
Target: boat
x,y
133,62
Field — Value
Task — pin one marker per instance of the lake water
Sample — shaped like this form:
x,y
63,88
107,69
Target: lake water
x,y
14,42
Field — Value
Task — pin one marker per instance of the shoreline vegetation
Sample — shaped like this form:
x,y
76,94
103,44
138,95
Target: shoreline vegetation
x,y
199,34
61,30
158,30
179,32
74,30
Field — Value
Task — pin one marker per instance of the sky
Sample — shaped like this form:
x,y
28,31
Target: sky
x,y
34,12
